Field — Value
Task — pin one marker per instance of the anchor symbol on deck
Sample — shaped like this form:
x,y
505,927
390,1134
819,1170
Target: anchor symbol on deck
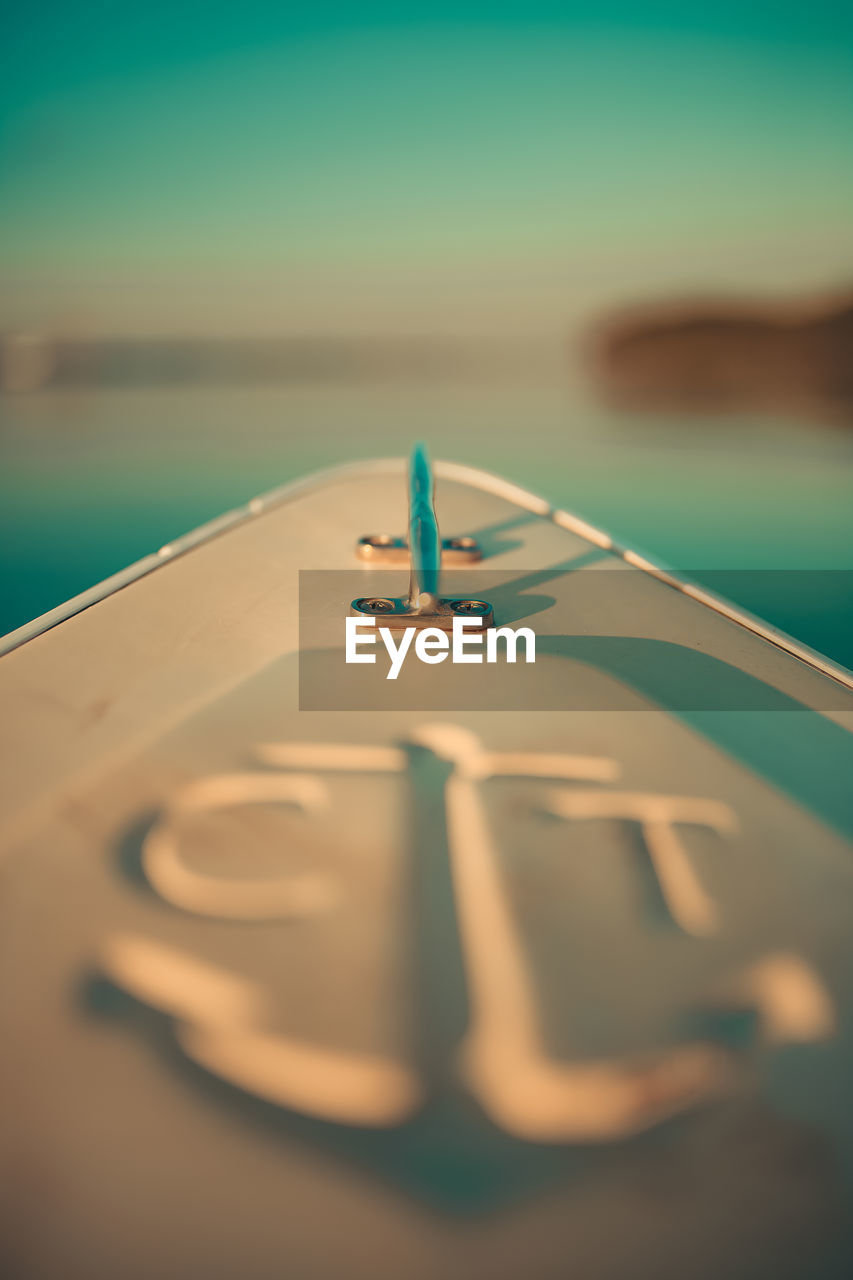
x,y
502,1061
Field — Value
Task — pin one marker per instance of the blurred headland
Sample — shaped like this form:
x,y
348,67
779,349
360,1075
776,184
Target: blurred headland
x,y
700,356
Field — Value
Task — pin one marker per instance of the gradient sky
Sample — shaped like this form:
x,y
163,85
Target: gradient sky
x,y
466,167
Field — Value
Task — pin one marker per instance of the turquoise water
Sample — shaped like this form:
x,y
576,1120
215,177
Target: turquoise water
x,y
91,484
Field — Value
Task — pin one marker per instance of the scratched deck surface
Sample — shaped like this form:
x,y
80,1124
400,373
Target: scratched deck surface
x,y
410,992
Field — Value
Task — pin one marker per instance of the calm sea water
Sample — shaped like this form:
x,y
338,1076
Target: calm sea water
x,y
92,482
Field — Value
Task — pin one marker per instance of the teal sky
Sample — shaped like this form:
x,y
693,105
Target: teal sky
x,y
465,166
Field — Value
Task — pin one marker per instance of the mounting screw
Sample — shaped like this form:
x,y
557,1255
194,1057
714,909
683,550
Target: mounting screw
x,y
375,604
475,607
